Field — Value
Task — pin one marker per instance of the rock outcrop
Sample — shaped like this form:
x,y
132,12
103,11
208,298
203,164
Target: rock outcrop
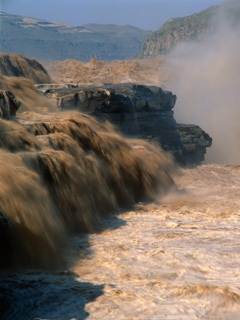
x,y
190,28
138,111
16,65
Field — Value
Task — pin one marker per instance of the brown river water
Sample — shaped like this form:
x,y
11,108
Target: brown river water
x,y
65,256
175,260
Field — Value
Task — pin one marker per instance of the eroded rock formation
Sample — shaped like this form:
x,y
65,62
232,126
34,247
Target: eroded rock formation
x,y
138,111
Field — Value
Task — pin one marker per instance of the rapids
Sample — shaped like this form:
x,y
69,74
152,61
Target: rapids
x,y
80,235
176,260
60,174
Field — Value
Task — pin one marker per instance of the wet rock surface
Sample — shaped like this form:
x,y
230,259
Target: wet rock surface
x,y
137,111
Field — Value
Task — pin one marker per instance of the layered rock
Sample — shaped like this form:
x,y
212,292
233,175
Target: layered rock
x,y
175,31
138,111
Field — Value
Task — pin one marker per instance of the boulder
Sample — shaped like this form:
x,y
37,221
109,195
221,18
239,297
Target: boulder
x,y
138,111
84,99
194,142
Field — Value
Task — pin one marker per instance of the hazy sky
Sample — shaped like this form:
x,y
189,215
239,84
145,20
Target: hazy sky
x,y
146,14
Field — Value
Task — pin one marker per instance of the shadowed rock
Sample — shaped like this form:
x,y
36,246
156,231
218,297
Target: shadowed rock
x,y
138,111
8,104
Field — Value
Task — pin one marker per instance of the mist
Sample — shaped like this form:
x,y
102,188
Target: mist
x,y
206,79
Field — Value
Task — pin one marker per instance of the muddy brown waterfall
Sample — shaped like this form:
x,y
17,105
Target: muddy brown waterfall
x,y
60,173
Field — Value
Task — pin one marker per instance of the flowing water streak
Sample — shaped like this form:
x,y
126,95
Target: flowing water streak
x,y
176,260
61,173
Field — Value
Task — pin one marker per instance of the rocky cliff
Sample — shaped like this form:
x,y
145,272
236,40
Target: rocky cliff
x,y
137,111
189,28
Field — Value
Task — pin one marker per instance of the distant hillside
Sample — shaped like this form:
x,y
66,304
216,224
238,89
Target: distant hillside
x,y
189,28
15,65
47,41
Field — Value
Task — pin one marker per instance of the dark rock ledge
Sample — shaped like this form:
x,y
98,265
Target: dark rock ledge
x,y
138,111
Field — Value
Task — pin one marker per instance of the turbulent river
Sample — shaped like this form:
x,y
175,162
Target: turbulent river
x,y
175,260
70,250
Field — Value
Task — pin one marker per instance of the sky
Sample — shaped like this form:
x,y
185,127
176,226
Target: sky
x,y
145,14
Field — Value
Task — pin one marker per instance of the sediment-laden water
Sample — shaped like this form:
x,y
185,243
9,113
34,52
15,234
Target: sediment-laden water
x,y
61,173
79,238
175,260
